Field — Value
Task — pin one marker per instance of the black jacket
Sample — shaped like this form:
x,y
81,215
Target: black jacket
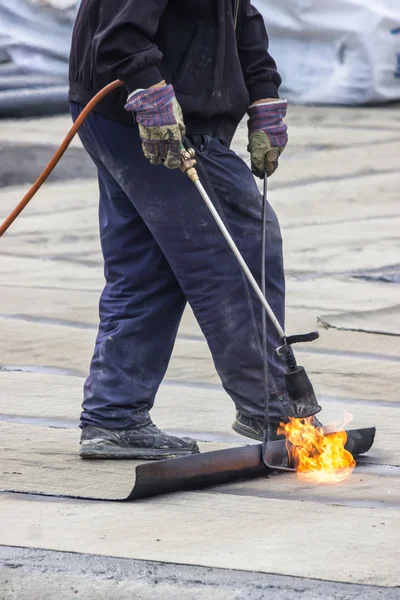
x,y
216,71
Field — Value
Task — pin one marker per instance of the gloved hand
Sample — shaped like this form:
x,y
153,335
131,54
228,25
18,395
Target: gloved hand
x,y
161,124
267,135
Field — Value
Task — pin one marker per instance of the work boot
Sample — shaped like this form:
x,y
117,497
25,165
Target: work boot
x,y
144,443
254,428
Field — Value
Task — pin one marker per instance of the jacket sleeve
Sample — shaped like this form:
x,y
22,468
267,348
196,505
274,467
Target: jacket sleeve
x,y
123,41
259,68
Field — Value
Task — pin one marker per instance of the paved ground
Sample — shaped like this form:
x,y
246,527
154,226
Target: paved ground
x,y
337,197
27,574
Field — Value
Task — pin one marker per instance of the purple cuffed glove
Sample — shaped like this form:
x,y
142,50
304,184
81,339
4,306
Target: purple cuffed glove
x,y
161,125
267,136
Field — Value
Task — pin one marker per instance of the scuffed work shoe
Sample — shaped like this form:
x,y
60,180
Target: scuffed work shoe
x,y
254,428
145,443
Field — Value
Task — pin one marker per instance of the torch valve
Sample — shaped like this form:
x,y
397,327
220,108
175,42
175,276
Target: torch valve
x,y
188,164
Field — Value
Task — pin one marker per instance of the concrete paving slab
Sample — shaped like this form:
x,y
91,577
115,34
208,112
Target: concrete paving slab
x,y
370,486
385,321
49,130
329,293
68,237
37,345
76,309
350,375
355,118
22,163
304,167
307,165
337,248
376,347
43,459
49,305
325,138
53,274
341,201
245,533
27,145
75,196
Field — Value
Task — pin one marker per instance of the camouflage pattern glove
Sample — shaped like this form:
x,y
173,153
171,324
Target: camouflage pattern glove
x,y
161,125
267,136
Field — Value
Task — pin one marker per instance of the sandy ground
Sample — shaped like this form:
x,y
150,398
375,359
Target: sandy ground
x,y
337,196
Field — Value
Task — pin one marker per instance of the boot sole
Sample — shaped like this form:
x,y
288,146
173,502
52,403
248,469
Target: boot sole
x,y
108,451
246,431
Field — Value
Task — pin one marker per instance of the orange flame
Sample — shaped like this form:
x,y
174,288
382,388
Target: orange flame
x,y
319,456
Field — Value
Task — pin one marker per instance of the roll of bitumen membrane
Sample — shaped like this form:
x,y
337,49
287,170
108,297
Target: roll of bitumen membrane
x,y
34,102
14,82
223,466
162,477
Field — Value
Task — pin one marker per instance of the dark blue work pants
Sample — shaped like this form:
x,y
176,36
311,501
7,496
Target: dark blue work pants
x,y
161,249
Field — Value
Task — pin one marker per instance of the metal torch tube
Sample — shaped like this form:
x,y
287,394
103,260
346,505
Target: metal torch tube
x,y
240,259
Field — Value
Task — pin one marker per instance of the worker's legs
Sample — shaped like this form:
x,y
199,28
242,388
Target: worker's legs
x,y
237,343
140,310
203,264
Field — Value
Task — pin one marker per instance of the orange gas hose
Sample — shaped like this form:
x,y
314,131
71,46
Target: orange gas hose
x,y
59,154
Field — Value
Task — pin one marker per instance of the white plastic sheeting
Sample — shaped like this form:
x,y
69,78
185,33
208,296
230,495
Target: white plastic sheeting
x,y
35,36
35,40
335,51
328,51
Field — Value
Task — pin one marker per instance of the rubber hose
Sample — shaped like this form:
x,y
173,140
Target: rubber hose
x,y
264,313
59,154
